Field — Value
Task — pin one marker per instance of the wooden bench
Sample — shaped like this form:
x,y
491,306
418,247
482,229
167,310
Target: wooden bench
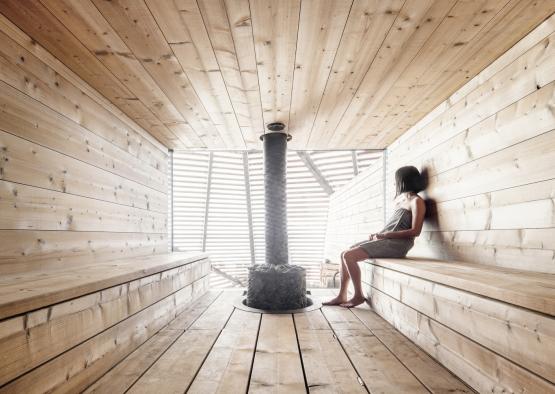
x,y
492,327
61,330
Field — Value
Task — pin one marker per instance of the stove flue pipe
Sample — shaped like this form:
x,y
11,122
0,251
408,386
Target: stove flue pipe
x,y
275,194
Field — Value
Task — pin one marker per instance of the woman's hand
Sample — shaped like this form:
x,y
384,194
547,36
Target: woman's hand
x,y
372,237
381,236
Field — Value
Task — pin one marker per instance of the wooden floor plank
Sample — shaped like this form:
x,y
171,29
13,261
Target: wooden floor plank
x,y
175,370
277,363
218,313
188,316
435,377
122,376
178,366
380,370
227,367
327,367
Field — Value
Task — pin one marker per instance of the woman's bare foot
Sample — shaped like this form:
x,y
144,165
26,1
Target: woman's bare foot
x,y
335,301
355,301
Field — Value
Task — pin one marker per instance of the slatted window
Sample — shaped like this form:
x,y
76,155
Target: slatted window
x,y
212,192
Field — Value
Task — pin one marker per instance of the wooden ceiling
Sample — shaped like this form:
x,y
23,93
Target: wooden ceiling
x,y
339,73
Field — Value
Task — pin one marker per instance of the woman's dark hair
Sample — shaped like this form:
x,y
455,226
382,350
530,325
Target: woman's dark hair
x,y
409,179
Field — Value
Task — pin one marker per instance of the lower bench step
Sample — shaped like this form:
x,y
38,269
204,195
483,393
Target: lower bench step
x,y
69,345
490,344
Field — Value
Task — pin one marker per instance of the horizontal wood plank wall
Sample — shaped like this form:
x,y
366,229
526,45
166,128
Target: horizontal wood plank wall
x,y
489,152
79,182
355,211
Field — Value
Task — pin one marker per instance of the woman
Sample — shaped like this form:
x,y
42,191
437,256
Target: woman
x,y
394,241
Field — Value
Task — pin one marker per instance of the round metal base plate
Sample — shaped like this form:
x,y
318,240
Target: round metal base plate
x,y
240,304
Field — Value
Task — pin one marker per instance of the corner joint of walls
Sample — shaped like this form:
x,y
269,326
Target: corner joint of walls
x,y
384,180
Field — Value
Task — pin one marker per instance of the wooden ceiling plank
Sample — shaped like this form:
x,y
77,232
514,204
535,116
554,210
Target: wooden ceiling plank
x,y
139,137
226,22
134,23
239,16
412,28
85,21
485,15
367,26
44,28
466,19
275,25
514,22
464,24
321,26
184,29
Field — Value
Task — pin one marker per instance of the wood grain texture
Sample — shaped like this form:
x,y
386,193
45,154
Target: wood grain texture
x,y
340,74
275,28
515,333
44,28
277,364
478,367
28,163
52,330
27,67
79,367
380,370
136,25
321,25
37,289
500,126
31,120
428,371
210,349
70,161
99,37
227,367
175,370
25,250
530,290
327,367
126,373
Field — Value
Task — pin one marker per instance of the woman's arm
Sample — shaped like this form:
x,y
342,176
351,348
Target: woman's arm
x,y
418,209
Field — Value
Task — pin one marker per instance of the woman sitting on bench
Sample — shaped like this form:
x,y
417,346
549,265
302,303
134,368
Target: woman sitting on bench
x,y
394,241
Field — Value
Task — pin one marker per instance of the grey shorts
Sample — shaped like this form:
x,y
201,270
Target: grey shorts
x,y
393,248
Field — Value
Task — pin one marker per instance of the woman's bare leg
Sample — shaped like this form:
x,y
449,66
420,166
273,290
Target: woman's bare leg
x,y
342,296
352,258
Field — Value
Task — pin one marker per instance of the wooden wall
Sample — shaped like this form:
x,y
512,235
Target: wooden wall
x,y
489,151
355,211
79,182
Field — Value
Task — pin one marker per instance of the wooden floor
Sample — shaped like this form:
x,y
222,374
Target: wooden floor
x,y
214,347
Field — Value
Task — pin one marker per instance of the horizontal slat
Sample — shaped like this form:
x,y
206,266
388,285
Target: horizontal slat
x,y
529,290
77,368
25,71
31,164
47,332
24,250
478,367
24,292
31,208
35,122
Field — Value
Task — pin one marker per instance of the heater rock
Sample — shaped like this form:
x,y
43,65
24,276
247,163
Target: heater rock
x,y
277,287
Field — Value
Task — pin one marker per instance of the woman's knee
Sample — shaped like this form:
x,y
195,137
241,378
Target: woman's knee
x,y
353,256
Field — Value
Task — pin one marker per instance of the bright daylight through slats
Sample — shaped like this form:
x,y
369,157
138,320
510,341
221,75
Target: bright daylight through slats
x,y
211,193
